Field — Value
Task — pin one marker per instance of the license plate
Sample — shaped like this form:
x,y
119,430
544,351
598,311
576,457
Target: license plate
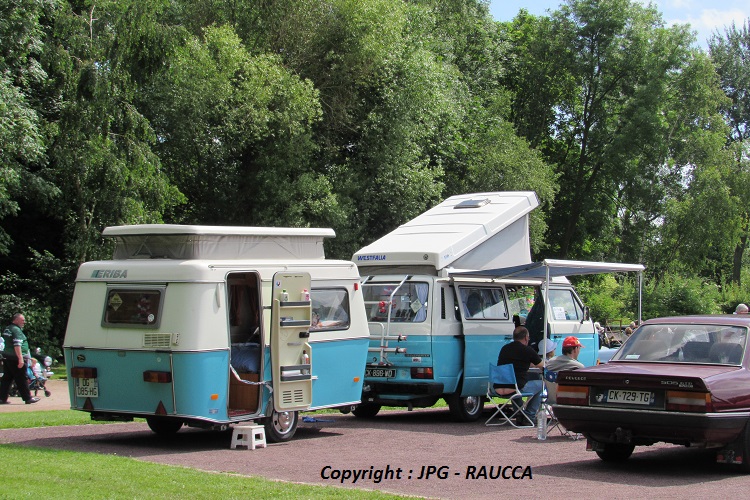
x,y
630,397
380,372
87,388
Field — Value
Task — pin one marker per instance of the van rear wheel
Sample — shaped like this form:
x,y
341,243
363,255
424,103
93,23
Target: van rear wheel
x,y
164,426
281,426
366,410
466,408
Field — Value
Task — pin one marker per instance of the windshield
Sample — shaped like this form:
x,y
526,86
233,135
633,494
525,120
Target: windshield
x,y
712,344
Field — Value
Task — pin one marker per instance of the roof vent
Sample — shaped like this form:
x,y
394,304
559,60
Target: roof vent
x,y
473,203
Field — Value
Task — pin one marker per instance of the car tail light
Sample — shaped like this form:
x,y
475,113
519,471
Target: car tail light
x,y
82,372
573,395
689,401
421,373
156,376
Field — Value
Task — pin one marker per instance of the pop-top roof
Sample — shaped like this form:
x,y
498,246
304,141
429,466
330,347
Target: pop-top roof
x,y
469,231
172,241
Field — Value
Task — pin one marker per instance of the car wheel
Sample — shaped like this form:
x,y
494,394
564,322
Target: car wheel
x,y
366,410
615,452
281,426
467,408
164,426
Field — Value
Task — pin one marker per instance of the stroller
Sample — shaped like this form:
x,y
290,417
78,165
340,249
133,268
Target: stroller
x,y
36,384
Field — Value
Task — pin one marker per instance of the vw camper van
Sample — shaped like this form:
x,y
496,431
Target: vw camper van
x,y
436,318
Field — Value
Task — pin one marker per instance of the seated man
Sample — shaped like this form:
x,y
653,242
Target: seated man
x,y
568,360
522,356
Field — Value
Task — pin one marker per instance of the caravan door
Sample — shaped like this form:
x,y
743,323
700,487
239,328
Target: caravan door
x,y
487,328
291,356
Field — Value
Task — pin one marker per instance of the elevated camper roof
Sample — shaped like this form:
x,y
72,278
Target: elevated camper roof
x,y
183,242
468,231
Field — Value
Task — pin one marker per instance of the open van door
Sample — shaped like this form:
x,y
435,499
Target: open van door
x,y
291,356
486,328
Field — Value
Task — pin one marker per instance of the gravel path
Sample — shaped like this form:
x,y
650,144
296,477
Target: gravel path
x,y
461,458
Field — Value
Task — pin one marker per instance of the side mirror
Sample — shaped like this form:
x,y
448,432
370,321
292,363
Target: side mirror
x,y
586,314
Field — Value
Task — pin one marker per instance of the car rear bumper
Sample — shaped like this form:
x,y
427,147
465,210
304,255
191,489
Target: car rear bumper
x,y
648,426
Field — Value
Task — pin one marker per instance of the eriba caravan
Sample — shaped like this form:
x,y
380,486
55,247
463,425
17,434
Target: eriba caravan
x,y
436,320
208,326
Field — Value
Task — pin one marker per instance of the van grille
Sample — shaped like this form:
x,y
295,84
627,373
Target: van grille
x,y
156,340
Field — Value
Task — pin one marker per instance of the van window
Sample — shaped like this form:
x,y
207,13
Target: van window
x,y
330,309
133,307
409,303
520,299
483,303
565,305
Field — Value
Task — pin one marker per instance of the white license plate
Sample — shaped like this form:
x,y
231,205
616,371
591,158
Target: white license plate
x,y
87,388
630,397
380,372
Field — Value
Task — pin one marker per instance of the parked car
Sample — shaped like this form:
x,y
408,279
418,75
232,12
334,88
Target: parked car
x,y
681,380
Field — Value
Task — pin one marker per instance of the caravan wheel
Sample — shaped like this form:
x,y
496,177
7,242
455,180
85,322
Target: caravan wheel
x,y
366,410
466,409
281,426
164,426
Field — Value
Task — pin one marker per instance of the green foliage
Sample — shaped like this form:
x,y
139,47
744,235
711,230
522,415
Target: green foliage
x,y
676,295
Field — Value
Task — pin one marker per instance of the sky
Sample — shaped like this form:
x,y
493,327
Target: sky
x,y
704,17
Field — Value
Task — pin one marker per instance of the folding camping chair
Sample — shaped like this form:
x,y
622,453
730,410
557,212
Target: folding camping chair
x,y
508,401
549,397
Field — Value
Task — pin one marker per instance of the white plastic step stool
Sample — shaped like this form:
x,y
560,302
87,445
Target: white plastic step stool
x,y
251,436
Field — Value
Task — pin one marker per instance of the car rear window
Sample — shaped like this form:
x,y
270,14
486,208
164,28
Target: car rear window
x,y
710,344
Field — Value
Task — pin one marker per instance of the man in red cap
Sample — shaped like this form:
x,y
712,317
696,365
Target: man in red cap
x,y
568,360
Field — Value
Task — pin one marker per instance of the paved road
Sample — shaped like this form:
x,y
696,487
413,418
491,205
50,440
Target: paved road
x,y
58,400
410,441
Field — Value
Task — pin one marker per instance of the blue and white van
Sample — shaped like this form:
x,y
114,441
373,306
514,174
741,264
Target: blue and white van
x,y
440,307
209,326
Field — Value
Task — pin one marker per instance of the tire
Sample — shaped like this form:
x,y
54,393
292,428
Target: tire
x,y
466,408
281,426
164,426
615,452
744,447
366,410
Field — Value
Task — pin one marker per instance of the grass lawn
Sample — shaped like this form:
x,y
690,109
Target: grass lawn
x,y
46,473
66,474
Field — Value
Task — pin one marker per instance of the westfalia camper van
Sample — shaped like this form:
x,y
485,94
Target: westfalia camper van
x,y
437,319
208,326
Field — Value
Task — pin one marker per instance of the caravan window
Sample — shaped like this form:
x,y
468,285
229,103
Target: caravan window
x,y
520,299
483,303
408,303
330,309
133,307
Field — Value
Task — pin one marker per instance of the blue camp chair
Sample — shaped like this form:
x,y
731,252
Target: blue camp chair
x,y
509,400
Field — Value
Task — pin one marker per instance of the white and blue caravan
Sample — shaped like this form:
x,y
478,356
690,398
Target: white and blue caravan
x,y
208,326
436,323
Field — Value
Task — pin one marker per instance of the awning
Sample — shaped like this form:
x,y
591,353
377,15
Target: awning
x,y
551,268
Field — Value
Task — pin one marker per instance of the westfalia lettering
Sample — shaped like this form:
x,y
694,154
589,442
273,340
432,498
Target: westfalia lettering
x,y
371,257
109,273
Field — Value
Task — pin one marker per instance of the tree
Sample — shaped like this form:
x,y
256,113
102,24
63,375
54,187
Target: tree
x,y
617,109
731,56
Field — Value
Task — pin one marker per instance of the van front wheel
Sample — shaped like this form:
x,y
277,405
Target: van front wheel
x,y
281,426
366,410
466,408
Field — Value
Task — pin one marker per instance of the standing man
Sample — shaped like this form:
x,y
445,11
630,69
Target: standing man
x,y
523,357
14,361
